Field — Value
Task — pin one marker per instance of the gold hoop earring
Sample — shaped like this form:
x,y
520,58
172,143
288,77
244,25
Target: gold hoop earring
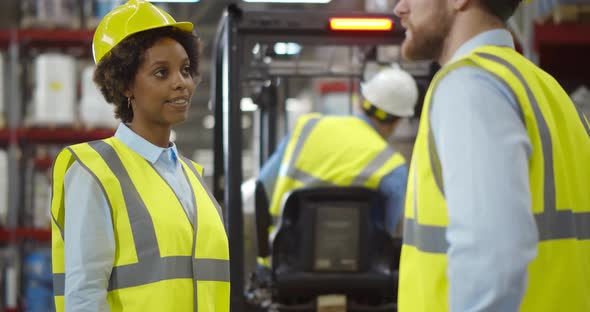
x,y
129,102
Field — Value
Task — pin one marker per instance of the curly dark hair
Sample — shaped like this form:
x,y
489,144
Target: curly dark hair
x,y
116,70
503,9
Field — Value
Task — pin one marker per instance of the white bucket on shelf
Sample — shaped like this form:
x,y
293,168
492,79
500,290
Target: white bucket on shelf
x,y
55,89
50,13
3,186
94,109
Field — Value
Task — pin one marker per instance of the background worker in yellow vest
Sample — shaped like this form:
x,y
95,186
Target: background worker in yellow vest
x,y
134,227
497,214
348,150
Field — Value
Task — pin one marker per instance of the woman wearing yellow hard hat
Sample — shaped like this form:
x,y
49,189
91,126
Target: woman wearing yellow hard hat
x,y
126,231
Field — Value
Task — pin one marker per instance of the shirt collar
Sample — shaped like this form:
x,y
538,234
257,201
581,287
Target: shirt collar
x,y
495,37
140,145
367,120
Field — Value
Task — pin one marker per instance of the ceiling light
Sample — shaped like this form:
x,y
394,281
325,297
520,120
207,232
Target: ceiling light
x,y
361,23
287,48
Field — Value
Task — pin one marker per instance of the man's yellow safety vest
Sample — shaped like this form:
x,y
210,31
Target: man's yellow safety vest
x,y
162,261
559,175
333,151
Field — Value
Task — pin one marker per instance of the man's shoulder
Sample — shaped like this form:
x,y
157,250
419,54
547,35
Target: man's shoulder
x,y
467,84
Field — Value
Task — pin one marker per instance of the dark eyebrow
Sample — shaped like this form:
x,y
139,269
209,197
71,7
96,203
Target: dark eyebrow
x,y
158,63
165,62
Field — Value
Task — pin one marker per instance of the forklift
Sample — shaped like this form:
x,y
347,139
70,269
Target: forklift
x,y
245,64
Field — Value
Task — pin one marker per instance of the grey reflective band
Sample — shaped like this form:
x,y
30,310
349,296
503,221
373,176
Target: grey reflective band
x,y
142,226
59,284
155,270
150,270
215,270
427,238
151,267
194,244
375,164
552,224
307,179
563,224
189,163
311,180
305,132
435,162
206,269
298,174
547,144
95,179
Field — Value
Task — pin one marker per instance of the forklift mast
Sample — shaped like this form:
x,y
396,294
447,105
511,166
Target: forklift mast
x,y
237,30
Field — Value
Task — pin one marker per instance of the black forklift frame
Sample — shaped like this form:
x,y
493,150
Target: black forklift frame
x,y
236,29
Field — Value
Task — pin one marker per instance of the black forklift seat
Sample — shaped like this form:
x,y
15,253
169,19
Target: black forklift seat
x,y
328,241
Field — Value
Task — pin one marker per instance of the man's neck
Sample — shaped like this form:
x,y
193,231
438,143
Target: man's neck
x,y
466,26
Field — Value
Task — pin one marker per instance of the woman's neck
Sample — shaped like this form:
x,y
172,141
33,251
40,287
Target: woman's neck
x,y
159,136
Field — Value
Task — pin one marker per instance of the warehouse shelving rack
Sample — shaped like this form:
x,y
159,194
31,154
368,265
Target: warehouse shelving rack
x,y
21,141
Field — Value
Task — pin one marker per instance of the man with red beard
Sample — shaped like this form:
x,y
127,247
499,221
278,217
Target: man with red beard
x,y
497,214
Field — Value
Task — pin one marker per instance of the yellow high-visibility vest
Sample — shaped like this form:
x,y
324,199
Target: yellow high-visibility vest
x,y
162,261
559,175
333,151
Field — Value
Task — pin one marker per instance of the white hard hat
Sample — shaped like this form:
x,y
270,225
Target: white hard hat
x,y
392,90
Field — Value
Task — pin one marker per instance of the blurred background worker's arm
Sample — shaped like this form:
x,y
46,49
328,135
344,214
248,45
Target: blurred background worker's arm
x,y
393,188
270,171
89,243
491,233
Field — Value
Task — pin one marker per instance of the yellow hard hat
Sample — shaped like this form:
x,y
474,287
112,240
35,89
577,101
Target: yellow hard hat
x,y
127,19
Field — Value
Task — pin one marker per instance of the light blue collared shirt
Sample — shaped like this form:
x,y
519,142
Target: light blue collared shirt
x,y
89,237
484,150
392,186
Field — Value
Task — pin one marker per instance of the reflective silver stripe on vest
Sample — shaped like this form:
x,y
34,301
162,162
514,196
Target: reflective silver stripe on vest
x,y
375,164
435,162
150,270
551,223
59,284
427,238
547,145
154,270
151,267
310,180
216,270
292,171
142,226
59,278
193,251
305,132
